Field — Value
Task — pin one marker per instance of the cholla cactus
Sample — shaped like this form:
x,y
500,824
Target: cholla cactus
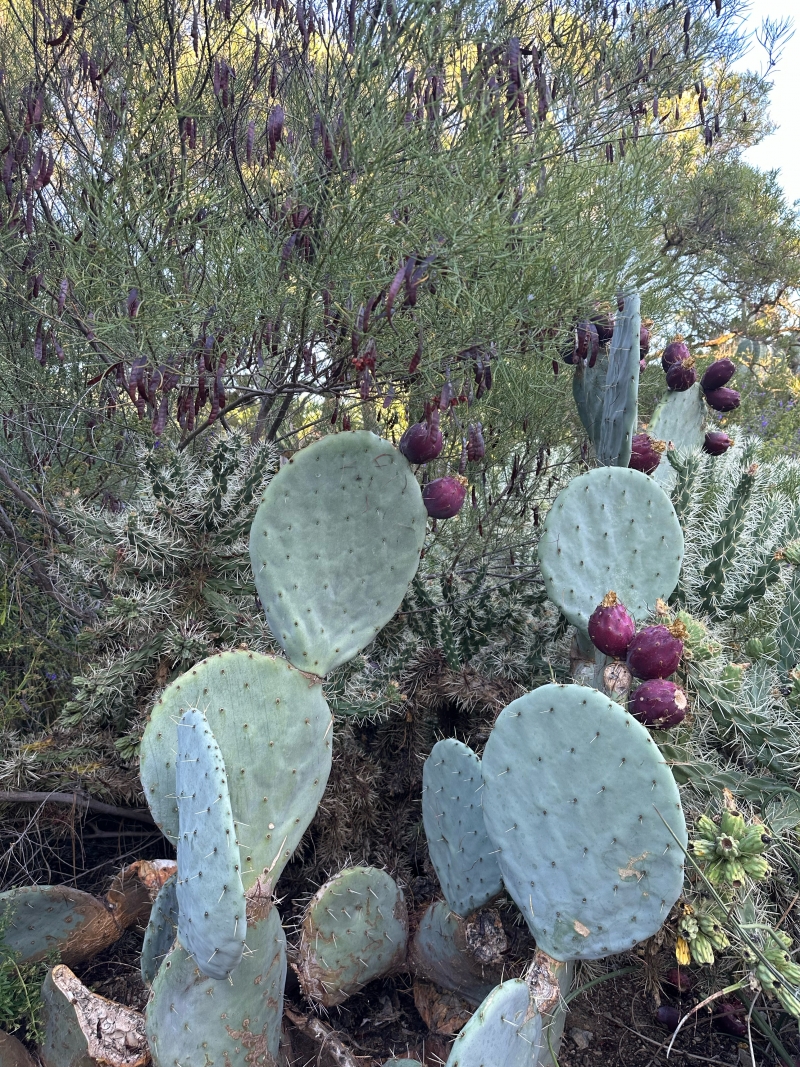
x,y
701,933
785,985
168,575
731,852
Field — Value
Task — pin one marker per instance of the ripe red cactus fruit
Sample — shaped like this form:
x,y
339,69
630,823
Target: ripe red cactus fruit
x,y
723,399
645,453
423,441
680,981
676,352
443,497
681,376
658,703
655,652
729,1017
716,442
611,627
644,341
718,374
668,1016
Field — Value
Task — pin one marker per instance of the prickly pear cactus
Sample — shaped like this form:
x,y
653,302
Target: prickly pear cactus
x,y
610,529
334,544
588,391
679,419
355,929
574,794
459,846
506,1029
212,925
196,1021
439,952
44,918
621,397
273,728
162,929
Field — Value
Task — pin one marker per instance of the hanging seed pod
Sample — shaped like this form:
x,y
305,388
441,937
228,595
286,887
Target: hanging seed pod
x,y
476,446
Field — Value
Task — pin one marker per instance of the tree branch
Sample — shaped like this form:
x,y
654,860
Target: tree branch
x,y
80,801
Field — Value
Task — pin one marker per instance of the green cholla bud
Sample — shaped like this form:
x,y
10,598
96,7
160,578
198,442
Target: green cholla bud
x,y
707,828
689,927
732,824
754,648
754,840
756,866
701,949
791,553
789,1001
704,849
726,847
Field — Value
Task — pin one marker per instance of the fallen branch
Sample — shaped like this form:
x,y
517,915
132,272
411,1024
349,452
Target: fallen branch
x,y
77,800
316,1029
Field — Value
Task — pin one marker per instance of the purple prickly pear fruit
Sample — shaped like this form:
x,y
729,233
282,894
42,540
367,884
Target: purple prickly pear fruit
x,y
718,374
668,1016
444,496
655,651
723,399
423,440
717,442
645,453
611,628
675,352
642,364
679,980
658,703
604,322
730,1018
644,341
587,342
681,376
476,446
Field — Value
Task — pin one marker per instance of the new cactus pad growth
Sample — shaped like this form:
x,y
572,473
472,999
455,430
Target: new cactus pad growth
x,y
506,1029
611,627
658,703
273,729
655,651
354,929
334,544
611,528
443,497
161,931
575,792
459,846
212,925
620,402
645,453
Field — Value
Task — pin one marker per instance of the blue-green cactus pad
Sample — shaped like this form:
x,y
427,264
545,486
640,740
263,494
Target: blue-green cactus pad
x,y
40,919
334,544
274,730
355,929
679,420
506,1029
614,529
574,794
212,925
621,393
162,929
438,952
458,844
195,1021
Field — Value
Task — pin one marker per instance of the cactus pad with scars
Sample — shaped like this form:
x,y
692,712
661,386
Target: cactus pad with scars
x,y
354,929
196,1021
610,529
212,925
588,390
458,844
273,728
334,544
575,791
439,952
44,918
679,419
621,398
161,931
506,1029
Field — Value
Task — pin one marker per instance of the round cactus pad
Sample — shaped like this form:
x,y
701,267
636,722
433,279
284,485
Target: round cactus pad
x,y
614,529
39,919
334,544
506,1029
574,794
274,730
458,844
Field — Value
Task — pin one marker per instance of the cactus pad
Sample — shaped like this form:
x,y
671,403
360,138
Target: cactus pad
x,y
439,952
355,929
506,1029
44,918
588,390
196,1021
273,728
621,397
334,544
610,529
679,420
162,929
458,844
211,909
575,790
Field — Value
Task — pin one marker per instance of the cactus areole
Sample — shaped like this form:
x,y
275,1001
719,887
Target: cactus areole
x,y
611,627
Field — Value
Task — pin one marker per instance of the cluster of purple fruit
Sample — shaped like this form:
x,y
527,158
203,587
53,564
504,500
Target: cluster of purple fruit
x,y
729,1015
598,330
652,655
678,363
422,442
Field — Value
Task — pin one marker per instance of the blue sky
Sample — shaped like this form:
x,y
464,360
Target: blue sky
x,y
781,151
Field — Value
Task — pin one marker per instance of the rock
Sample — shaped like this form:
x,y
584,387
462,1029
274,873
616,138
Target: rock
x,y
581,1038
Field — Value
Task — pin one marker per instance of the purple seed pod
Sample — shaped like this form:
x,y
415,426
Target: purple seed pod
x,y
717,442
444,496
422,441
730,1018
645,453
718,374
675,352
654,653
476,446
644,342
680,981
723,399
681,376
611,628
658,703
604,322
587,342
668,1016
